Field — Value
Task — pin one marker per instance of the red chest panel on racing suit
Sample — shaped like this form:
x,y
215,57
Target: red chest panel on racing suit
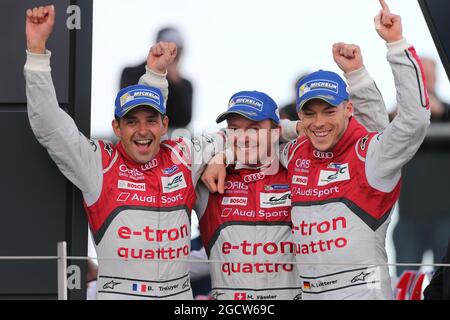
x,y
338,217
249,228
143,214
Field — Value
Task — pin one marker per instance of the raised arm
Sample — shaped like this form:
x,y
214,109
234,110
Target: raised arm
x,y
76,157
369,108
197,151
395,146
160,56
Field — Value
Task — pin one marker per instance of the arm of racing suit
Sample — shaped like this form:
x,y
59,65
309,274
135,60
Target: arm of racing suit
x,y
154,79
78,158
288,130
198,150
396,145
369,107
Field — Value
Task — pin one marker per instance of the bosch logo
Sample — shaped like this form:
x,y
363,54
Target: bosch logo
x,y
123,184
149,165
237,201
254,177
302,180
322,154
134,172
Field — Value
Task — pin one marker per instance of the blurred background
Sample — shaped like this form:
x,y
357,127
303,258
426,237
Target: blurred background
x,y
244,45
236,45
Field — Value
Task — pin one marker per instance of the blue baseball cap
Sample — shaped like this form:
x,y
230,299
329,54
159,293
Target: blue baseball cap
x,y
253,105
325,85
139,95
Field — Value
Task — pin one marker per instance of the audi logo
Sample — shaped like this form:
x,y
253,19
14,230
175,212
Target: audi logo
x,y
322,154
149,165
254,177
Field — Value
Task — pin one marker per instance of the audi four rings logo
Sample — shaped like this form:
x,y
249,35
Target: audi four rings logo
x,y
322,154
254,177
149,165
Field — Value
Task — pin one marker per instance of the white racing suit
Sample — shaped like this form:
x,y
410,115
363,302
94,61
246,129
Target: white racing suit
x,y
342,199
139,214
248,228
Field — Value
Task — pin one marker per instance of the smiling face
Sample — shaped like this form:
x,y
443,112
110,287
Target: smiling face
x,y
140,132
323,123
252,141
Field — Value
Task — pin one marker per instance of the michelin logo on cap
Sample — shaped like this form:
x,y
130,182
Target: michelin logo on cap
x,y
319,84
129,96
247,101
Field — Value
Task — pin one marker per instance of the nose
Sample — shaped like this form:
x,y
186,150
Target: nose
x,y
248,138
319,120
143,127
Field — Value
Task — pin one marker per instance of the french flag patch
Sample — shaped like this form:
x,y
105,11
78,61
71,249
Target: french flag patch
x,y
139,287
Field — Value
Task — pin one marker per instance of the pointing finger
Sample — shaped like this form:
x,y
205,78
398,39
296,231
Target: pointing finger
x,y
384,5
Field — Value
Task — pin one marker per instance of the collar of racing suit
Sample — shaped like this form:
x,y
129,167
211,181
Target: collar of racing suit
x,y
351,135
239,166
260,172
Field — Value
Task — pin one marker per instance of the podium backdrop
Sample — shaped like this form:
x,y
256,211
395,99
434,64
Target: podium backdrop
x,y
39,207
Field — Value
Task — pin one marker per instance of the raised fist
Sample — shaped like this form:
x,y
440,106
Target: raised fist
x,y
38,27
388,25
347,56
161,55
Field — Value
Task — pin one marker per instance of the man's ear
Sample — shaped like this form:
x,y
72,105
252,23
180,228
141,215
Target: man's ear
x,y
349,109
116,127
165,123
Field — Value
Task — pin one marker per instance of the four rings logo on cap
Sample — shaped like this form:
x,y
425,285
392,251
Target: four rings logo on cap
x,y
322,154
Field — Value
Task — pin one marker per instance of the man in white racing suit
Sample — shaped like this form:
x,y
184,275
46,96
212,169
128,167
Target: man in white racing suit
x,y
138,194
346,180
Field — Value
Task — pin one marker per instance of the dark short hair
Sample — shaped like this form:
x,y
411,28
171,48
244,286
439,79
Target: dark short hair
x,y
161,114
